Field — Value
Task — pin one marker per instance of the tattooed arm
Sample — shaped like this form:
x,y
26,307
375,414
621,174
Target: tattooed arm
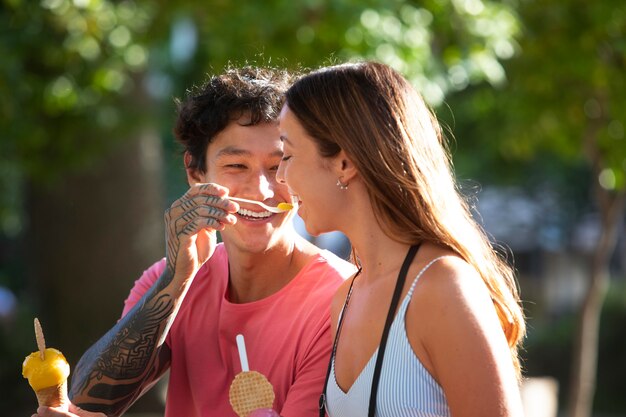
x,y
132,356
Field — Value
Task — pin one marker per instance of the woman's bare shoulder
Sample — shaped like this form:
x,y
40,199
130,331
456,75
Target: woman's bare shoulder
x,y
448,280
452,298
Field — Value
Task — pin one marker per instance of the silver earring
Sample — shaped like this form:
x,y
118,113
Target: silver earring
x,y
341,185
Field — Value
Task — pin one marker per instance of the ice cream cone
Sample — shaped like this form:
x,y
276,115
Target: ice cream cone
x,y
55,396
250,391
47,371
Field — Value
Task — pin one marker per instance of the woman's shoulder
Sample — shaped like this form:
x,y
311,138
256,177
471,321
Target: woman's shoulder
x,y
443,274
450,294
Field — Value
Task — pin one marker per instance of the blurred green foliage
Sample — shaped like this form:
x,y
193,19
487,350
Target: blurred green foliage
x,y
564,96
66,73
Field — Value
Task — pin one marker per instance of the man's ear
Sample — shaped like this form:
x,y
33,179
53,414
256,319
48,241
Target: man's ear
x,y
194,176
344,168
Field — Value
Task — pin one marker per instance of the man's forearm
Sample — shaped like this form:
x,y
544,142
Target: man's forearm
x,y
130,357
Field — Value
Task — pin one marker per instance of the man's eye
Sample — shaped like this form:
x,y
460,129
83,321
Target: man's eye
x,y
237,166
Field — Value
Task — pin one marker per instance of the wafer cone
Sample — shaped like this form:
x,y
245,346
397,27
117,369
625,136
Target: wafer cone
x,y
55,396
250,391
47,371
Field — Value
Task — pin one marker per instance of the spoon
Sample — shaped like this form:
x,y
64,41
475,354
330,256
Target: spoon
x,y
282,207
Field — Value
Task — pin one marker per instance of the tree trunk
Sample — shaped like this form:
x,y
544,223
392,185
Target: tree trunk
x,y
585,358
90,237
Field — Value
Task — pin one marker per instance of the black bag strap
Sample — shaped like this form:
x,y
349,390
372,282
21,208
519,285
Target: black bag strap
x,y
390,316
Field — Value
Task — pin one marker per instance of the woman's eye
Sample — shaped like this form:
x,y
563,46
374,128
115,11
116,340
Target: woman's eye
x,y
286,158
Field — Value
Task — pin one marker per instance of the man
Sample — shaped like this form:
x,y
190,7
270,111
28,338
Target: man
x,y
264,281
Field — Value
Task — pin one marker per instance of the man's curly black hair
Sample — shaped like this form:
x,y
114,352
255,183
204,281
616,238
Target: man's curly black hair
x,y
257,93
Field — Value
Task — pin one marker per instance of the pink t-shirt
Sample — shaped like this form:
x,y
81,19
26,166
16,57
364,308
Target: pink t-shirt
x,y
287,338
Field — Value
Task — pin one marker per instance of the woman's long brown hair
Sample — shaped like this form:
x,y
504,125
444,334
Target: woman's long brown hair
x,y
390,134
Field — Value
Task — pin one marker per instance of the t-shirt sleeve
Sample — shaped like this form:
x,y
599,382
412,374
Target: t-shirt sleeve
x,y
143,284
303,396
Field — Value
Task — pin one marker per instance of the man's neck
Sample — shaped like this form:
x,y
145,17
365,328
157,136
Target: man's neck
x,y
254,276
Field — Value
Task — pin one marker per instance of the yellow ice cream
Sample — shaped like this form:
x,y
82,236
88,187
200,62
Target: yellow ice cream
x,y
50,372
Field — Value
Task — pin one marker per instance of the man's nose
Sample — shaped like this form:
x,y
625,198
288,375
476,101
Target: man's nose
x,y
265,187
260,187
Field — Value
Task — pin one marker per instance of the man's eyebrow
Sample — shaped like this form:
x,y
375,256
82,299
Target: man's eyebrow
x,y
233,151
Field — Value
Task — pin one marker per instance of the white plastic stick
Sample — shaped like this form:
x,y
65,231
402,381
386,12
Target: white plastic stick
x,y
243,356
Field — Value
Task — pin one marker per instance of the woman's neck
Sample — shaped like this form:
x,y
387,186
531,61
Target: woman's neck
x,y
377,252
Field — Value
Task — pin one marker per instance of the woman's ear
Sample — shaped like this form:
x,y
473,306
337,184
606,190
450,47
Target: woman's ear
x,y
345,169
194,176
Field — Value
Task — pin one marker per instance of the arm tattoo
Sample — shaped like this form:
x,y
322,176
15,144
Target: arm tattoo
x,y
129,358
127,355
172,242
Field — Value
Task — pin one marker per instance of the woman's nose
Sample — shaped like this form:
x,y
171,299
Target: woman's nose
x,y
280,173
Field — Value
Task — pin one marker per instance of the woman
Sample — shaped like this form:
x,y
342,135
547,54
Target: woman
x,y
364,155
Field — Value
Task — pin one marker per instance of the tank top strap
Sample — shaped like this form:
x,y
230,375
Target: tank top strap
x,y
409,294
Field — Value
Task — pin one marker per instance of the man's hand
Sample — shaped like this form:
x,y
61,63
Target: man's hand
x,y
191,224
58,412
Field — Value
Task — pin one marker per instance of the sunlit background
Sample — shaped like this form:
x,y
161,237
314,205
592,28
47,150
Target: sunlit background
x,y
532,94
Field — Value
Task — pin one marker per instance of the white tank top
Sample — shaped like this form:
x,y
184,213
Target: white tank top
x,y
405,388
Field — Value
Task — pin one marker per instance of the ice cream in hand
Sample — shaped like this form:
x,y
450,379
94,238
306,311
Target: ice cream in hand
x,y
47,372
250,390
